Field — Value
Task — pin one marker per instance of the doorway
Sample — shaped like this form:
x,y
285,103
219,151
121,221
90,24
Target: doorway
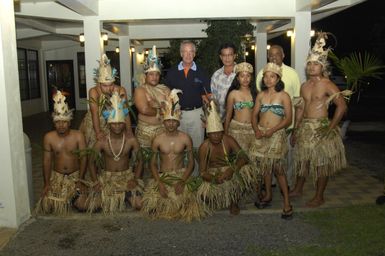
x,y
60,76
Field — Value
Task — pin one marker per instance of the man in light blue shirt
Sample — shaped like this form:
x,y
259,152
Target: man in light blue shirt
x,y
223,77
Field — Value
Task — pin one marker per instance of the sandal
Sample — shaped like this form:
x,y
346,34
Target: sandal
x,y
287,215
263,204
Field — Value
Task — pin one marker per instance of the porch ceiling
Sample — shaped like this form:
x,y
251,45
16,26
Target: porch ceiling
x,y
63,19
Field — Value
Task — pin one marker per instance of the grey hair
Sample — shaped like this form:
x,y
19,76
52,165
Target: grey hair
x,y
276,46
184,42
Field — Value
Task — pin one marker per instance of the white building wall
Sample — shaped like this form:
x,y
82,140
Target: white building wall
x,y
14,200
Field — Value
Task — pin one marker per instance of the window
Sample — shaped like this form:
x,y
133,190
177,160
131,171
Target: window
x,y
82,75
28,63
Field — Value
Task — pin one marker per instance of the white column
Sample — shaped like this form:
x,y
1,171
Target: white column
x,y
138,60
300,43
134,56
14,201
125,63
260,51
93,47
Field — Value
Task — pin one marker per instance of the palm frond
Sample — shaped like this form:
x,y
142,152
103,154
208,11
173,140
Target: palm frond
x,y
231,159
359,68
169,179
90,152
129,103
146,154
193,183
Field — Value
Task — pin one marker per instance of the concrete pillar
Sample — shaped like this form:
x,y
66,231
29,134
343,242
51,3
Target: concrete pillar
x,y
300,42
138,60
93,47
14,201
125,63
260,51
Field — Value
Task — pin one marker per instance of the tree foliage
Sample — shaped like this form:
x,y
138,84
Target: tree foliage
x,y
218,32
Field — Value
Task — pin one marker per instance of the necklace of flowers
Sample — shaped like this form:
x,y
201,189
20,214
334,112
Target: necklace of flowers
x,y
116,156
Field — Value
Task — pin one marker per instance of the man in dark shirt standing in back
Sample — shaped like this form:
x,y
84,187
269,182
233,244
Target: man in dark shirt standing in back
x,y
195,85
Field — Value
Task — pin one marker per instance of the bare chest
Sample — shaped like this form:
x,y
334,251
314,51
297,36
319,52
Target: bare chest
x,y
64,146
314,93
217,154
172,146
118,148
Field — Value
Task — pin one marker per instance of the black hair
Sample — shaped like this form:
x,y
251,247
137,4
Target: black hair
x,y
278,87
227,45
235,85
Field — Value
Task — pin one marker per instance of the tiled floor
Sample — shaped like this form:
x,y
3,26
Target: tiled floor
x,y
351,186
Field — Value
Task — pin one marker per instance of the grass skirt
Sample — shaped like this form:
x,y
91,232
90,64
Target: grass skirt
x,y
270,152
58,199
243,133
219,196
146,132
87,129
184,206
316,155
114,188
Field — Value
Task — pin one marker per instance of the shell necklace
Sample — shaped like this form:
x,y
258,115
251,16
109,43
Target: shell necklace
x,y
116,156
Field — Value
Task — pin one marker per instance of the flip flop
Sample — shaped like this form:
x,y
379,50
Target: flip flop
x,y
287,215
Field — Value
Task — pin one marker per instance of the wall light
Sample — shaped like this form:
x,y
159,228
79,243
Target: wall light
x,y
290,33
253,47
312,33
247,53
82,39
146,52
132,49
117,50
104,36
268,47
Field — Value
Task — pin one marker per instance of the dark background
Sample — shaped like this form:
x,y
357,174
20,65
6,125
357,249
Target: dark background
x,y
358,29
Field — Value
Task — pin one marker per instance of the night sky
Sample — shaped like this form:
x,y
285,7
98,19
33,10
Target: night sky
x,y
359,28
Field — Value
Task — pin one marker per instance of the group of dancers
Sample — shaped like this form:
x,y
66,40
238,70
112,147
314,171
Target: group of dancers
x,y
249,146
